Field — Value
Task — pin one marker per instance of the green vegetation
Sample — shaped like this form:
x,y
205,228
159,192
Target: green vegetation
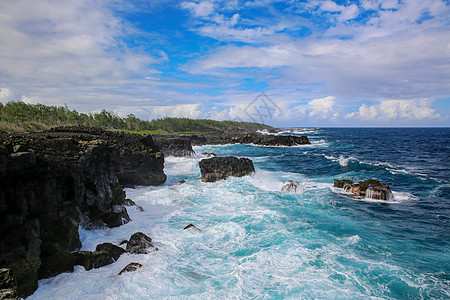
x,y
22,117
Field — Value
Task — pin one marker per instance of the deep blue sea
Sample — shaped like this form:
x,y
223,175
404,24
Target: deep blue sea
x,y
257,242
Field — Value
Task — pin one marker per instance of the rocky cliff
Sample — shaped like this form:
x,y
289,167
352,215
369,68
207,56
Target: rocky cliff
x,y
50,182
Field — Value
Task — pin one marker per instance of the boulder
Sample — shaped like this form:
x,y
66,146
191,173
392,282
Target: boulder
x,y
217,168
114,251
131,267
92,259
371,188
290,186
140,243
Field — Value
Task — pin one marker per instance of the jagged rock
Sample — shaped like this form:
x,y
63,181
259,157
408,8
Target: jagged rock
x,y
139,243
248,138
209,154
111,249
290,187
103,255
131,267
178,146
218,168
191,227
7,285
370,188
49,180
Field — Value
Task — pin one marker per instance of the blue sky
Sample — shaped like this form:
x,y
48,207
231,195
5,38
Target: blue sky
x,y
312,63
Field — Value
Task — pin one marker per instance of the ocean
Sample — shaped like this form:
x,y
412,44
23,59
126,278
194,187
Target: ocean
x,y
257,242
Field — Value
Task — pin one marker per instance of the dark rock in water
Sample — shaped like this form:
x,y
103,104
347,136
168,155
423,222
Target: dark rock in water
x,y
207,154
371,188
139,243
218,168
90,260
8,288
248,138
139,208
55,264
178,146
103,255
191,227
131,267
290,186
111,249
49,180
181,181
123,242
340,183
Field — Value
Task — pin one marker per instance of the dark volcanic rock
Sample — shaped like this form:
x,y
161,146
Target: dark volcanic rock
x,y
218,168
55,264
139,243
249,138
111,249
370,188
103,255
131,267
209,154
178,146
49,180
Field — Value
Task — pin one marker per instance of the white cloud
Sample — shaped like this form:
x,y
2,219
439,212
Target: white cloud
x,y
397,110
179,111
322,108
6,95
201,9
345,12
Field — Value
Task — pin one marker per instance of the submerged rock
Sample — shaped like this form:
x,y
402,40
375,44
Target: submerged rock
x,y
370,189
218,168
290,186
140,243
191,227
103,255
131,267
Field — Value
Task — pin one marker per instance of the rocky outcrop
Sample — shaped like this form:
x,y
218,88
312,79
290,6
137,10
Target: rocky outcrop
x,y
140,243
248,138
191,227
371,188
103,255
217,168
50,181
290,186
178,146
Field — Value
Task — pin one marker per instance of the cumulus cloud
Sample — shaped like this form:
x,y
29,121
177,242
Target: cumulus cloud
x,y
345,12
179,111
397,110
322,107
201,9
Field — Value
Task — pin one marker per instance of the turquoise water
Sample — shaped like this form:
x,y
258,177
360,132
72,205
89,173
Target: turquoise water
x,y
257,242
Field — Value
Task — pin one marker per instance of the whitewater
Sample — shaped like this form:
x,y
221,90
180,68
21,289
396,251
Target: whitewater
x,y
256,242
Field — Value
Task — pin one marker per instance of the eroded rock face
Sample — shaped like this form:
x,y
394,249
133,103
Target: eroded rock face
x,y
371,188
217,168
49,180
7,284
178,146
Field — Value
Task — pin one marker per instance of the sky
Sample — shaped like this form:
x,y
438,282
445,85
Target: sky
x,y
284,63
